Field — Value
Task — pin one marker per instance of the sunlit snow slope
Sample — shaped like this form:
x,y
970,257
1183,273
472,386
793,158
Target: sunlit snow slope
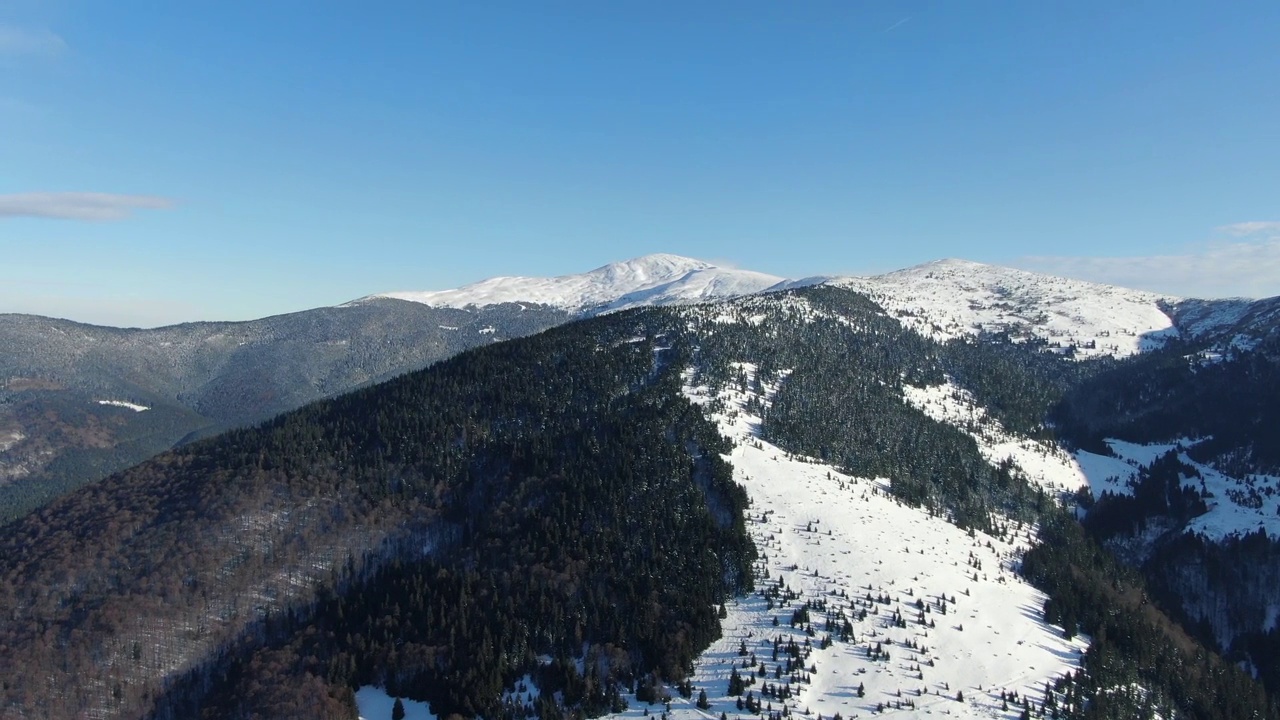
x,y
1236,505
659,279
952,298
934,614
942,300
1047,465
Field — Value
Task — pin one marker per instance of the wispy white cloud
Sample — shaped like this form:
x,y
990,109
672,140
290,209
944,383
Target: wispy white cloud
x,y
898,24
1253,227
16,40
1248,265
94,207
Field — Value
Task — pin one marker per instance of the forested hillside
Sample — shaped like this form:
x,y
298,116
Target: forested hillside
x,y
574,448
550,511
176,383
842,363
1214,402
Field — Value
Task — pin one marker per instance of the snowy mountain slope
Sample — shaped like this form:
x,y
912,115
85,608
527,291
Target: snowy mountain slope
x,y
953,298
658,279
942,299
1048,466
1200,317
1236,505
1229,328
938,621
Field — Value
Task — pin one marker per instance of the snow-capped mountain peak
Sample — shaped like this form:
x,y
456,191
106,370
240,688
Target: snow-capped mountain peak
x,y
952,298
658,267
658,279
942,299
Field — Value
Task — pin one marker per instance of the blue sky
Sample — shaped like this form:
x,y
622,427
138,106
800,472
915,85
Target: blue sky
x,y
227,160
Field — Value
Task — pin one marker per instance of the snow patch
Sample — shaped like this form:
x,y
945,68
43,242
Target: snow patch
x,y
121,403
373,703
9,439
1106,473
523,694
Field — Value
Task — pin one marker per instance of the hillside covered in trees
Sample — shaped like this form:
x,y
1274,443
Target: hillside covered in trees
x,y
197,379
1216,402
550,507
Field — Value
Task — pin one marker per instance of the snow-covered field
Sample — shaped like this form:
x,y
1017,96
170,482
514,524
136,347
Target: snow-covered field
x,y
934,613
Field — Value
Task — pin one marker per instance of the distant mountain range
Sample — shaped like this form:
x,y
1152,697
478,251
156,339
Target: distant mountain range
x,y
61,381
658,279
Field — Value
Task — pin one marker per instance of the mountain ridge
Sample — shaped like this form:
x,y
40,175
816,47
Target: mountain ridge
x,y
202,377
943,299
659,278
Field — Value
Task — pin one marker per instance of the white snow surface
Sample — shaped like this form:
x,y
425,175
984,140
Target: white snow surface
x,y
373,703
121,403
1237,505
1044,464
10,438
953,298
836,538
943,299
659,279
